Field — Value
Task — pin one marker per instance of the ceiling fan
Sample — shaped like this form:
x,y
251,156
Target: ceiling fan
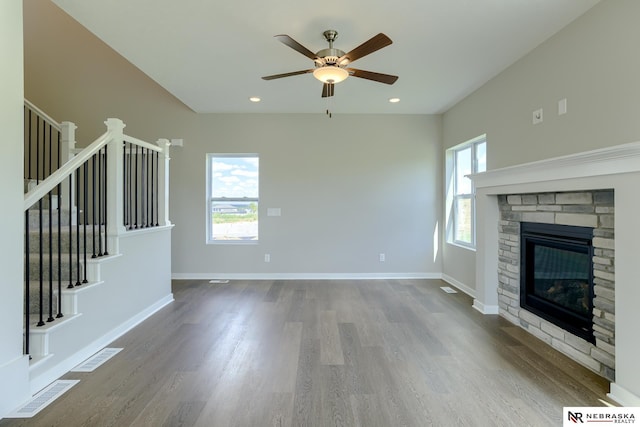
x,y
331,65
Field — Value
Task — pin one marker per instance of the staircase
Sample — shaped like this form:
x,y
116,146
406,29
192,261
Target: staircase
x,y
96,227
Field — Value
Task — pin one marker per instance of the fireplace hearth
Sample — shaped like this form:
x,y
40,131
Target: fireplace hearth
x,y
556,281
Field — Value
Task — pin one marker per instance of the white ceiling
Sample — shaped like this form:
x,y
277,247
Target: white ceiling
x,y
211,54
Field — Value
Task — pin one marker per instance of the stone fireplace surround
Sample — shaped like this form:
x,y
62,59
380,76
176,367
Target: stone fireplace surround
x,y
614,168
592,209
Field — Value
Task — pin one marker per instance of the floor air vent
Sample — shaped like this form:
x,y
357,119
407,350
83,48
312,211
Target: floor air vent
x,y
448,290
96,360
43,399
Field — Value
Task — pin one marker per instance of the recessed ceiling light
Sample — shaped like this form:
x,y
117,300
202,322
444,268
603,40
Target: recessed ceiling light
x,y
394,100
254,99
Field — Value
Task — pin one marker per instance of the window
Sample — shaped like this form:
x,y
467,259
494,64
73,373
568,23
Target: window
x,y
468,158
232,198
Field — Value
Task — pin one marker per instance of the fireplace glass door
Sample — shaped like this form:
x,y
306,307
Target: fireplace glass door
x,y
561,276
556,275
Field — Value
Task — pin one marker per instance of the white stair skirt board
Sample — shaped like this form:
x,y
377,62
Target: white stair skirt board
x,y
43,399
92,363
448,289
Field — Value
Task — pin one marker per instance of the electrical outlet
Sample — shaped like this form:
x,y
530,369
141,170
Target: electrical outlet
x,y
537,116
382,257
267,257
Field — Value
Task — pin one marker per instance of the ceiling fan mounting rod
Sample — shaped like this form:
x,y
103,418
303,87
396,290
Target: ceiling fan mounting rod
x,y
330,36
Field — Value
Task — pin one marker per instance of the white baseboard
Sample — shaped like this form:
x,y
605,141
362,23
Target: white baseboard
x,y
464,288
51,374
302,276
623,396
485,309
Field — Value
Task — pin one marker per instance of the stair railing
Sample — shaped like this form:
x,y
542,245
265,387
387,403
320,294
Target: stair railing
x,y
100,188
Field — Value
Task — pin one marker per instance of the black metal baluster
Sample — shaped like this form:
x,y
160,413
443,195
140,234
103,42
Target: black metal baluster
x,y
37,148
50,318
106,181
86,218
93,202
78,283
143,194
28,137
135,188
30,176
59,238
149,187
125,206
27,293
100,184
70,285
157,187
153,179
131,219
40,264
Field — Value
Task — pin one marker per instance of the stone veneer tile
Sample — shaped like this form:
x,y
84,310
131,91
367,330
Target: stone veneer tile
x,y
585,359
606,197
606,221
538,333
599,242
578,343
553,330
581,220
514,200
549,208
543,217
605,346
530,318
547,198
574,199
604,275
603,357
601,292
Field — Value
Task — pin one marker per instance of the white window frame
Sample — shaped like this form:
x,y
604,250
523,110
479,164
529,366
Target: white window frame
x,y
210,199
456,198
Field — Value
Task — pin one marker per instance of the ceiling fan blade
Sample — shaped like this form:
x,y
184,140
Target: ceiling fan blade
x,y
283,38
328,89
279,76
370,75
370,46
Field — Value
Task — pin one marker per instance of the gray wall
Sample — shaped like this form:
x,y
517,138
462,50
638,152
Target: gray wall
x,y
594,63
349,187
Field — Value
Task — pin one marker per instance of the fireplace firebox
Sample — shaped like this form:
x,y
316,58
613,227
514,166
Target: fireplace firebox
x,y
556,275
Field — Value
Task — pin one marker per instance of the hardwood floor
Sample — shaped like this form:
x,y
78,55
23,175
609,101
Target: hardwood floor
x,y
324,353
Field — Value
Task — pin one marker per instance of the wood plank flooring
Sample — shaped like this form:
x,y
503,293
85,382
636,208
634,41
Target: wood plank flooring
x,y
324,353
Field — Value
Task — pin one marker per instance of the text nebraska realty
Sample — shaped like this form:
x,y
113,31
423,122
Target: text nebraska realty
x,y
619,418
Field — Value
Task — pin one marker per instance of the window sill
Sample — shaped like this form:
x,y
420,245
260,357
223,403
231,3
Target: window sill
x,y
462,246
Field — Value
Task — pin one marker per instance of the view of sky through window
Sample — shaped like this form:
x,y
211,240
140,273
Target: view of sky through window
x,y
234,177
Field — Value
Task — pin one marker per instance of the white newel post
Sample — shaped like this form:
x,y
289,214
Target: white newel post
x,y
115,202
163,187
67,152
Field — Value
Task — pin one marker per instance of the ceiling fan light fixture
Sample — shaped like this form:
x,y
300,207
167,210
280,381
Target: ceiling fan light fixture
x,y
330,74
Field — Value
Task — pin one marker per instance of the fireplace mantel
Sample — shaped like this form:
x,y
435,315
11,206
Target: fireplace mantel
x,y
616,168
605,161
